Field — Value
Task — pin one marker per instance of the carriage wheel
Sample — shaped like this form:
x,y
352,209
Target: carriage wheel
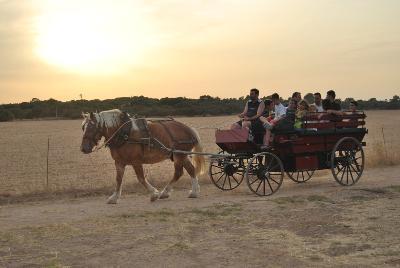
x,y
347,161
300,176
264,174
227,173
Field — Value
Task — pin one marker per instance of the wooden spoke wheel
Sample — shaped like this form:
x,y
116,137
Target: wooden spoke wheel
x,y
300,176
347,161
264,174
227,173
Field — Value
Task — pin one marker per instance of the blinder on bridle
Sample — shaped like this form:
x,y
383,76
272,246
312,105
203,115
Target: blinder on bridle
x,y
92,131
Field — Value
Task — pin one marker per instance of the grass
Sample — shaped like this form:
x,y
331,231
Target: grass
x,y
288,200
383,155
375,190
301,199
181,245
395,188
338,249
319,198
54,263
160,215
53,231
216,211
23,161
358,198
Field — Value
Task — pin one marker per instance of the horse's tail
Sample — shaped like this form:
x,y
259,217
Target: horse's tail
x,y
198,161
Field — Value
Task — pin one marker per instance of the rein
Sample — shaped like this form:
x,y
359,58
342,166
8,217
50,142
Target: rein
x,y
160,145
105,143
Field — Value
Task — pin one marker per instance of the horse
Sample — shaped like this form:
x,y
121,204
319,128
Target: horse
x,y
170,133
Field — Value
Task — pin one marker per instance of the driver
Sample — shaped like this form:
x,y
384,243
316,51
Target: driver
x,y
252,111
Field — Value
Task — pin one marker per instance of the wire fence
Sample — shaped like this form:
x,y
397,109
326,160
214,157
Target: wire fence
x,y
44,155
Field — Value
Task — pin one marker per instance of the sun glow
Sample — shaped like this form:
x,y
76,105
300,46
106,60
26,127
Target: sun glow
x,y
92,37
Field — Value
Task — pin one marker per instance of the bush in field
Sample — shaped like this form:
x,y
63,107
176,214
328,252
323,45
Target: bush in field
x,y
6,115
205,105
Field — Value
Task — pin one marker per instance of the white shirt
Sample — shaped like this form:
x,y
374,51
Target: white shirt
x,y
319,108
280,111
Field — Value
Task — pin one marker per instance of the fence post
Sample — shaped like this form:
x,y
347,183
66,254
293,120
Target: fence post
x,y
384,144
47,163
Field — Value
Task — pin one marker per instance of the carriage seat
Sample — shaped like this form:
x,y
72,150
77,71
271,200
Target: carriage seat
x,y
324,121
314,125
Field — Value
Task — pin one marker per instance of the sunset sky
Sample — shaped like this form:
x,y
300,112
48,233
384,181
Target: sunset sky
x,y
169,48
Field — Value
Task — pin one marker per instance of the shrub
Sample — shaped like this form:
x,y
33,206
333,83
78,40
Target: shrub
x,y
6,115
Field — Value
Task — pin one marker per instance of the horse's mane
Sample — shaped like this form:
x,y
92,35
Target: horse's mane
x,y
109,119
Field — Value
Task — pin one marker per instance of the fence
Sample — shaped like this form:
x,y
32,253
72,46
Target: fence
x,y
44,155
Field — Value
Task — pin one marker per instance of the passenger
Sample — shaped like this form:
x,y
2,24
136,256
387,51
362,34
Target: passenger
x,y
286,122
353,110
269,107
279,112
330,105
301,112
252,111
353,106
313,108
293,105
318,102
296,96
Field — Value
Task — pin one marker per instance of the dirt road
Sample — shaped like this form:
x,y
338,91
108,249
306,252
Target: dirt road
x,y
315,224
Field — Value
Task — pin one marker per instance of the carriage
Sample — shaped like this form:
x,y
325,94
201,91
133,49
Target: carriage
x,y
326,141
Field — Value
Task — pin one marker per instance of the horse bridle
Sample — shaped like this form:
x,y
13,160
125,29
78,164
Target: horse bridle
x,y
97,132
107,142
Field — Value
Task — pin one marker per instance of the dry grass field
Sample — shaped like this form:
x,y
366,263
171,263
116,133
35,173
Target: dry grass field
x,y
318,223
24,149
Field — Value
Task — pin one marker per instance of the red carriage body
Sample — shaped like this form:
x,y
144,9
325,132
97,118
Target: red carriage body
x,y
324,142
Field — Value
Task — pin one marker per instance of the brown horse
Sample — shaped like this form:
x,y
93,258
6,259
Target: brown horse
x,y
171,133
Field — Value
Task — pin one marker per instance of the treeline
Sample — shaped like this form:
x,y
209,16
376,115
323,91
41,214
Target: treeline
x,y
143,106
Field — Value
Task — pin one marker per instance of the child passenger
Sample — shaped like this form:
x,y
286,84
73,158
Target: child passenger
x,y
285,122
301,112
353,106
353,110
313,108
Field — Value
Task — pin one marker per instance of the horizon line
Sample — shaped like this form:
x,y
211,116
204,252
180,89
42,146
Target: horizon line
x,y
214,97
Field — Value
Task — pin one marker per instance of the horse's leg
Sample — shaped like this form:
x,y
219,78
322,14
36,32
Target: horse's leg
x,y
140,175
178,164
113,199
195,182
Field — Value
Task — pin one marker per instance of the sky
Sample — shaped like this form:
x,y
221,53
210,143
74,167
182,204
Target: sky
x,y
169,48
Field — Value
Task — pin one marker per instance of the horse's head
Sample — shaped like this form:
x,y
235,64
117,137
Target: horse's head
x,y
91,133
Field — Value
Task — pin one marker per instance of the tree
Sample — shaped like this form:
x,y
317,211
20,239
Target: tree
x,y
6,115
394,102
206,97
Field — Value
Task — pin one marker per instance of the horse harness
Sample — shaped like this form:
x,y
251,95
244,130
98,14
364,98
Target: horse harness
x,y
122,135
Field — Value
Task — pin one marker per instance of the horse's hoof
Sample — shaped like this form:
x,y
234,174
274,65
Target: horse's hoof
x,y
154,197
112,201
164,195
193,194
